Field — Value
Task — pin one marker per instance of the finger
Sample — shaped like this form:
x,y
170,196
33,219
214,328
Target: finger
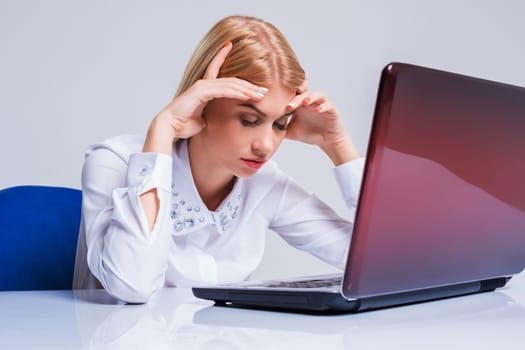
x,y
252,89
325,107
231,88
315,98
290,131
296,101
307,99
212,71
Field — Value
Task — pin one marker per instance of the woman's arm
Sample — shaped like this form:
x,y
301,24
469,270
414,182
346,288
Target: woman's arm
x,y
302,219
307,223
127,203
123,253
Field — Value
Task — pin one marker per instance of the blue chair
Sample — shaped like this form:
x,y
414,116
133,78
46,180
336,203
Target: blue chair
x,y
38,237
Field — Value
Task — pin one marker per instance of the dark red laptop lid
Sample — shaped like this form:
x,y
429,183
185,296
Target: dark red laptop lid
x,y
443,196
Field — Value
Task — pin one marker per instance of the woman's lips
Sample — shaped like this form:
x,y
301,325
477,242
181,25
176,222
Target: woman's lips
x,y
253,163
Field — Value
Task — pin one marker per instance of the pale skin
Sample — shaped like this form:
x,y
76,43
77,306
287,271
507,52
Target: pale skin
x,y
236,126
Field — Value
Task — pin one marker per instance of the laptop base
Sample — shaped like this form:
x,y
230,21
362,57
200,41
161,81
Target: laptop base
x,y
332,302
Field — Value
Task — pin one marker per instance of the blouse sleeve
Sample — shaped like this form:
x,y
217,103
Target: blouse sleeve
x,y
307,223
127,259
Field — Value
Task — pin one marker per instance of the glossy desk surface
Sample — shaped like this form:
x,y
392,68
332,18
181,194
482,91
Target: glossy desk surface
x,y
174,319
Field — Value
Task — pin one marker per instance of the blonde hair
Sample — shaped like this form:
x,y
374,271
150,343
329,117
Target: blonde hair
x,y
260,54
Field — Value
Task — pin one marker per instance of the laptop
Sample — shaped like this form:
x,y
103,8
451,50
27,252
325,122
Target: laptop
x,y
441,211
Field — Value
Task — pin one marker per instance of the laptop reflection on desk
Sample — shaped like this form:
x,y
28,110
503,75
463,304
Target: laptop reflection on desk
x,y
441,211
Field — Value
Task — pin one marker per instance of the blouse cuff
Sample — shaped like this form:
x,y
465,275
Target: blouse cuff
x,y
149,170
349,176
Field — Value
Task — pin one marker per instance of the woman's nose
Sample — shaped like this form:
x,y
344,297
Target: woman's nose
x,y
263,143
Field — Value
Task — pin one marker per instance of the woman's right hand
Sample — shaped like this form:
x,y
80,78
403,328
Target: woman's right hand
x,y
182,117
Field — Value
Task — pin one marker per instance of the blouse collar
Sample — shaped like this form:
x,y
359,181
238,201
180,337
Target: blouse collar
x,y
188,211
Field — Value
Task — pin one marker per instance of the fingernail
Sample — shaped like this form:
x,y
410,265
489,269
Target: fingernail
x,y
263,89
260,94
228,44
306,100
318,108
292,104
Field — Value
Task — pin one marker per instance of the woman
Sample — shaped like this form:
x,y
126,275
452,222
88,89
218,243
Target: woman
x,y
191,203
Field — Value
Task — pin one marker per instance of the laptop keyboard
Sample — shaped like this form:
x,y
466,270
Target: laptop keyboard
x,y
314,283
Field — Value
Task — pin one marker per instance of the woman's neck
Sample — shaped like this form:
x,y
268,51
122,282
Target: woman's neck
x,y
212,182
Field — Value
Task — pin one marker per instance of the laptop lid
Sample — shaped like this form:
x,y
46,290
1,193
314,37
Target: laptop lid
x,y
443,194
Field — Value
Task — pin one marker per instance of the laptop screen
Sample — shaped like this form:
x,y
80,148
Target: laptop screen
x,y
443,196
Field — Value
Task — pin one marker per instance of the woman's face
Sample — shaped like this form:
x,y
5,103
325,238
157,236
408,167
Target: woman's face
x,y
241,136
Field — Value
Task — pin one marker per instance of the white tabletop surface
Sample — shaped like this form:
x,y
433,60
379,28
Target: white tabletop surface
x,y
174,319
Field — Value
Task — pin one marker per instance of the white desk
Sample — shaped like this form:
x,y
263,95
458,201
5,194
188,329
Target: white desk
x,y
175,320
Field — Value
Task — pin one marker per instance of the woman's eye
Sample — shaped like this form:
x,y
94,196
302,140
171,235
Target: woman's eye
x,y
249,122
280,126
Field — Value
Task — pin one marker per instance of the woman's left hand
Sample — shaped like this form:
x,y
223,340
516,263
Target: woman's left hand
x,y
316,121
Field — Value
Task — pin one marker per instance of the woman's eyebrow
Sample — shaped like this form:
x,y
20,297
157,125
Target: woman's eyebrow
x,y
251,106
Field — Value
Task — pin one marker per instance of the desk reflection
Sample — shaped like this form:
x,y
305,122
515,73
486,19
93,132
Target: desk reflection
x,y
175,320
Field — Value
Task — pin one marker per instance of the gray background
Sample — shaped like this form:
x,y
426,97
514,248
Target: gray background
x,y
75,72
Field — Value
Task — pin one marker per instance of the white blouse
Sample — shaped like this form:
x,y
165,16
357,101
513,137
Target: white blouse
x,y
189,244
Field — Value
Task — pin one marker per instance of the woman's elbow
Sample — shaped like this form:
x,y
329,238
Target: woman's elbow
x,y
139,293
